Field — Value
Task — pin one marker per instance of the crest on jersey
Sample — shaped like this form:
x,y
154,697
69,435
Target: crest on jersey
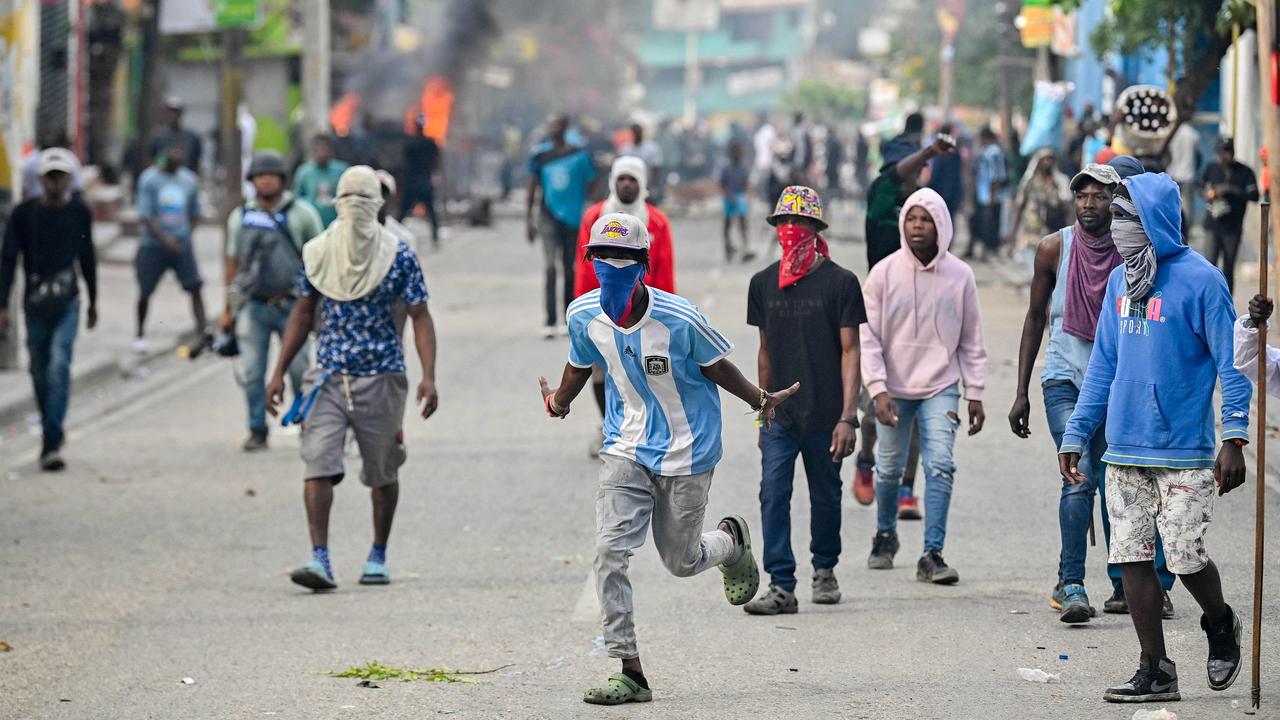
x,y
656,365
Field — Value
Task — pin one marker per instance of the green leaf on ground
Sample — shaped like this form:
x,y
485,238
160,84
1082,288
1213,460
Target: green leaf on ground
x,y
374,670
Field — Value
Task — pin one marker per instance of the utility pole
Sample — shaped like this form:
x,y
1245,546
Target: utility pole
x,y
316,74
232,84
150,10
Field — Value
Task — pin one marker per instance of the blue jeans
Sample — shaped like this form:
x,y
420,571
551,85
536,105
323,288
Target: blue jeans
x,y
49,341
778,450
937,421
1075,506
257,321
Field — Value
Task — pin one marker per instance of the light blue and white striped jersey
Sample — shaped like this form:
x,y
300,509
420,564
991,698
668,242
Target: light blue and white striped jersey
x,y
661,412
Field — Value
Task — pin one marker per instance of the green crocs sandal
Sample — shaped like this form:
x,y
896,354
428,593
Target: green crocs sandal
x,y
741,579
620,689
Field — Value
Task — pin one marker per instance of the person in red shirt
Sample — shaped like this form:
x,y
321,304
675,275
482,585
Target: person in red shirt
x,y
627,193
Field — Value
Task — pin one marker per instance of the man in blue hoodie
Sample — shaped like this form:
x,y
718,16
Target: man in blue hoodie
x,y
1163,342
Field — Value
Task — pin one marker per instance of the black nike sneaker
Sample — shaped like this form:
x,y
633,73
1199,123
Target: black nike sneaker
x,y
1224,650
1158,684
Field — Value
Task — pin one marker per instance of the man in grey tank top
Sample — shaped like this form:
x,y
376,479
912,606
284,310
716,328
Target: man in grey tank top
x,y
1071,271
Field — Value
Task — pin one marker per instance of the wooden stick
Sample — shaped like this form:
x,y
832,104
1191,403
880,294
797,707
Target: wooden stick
x,y
1260,441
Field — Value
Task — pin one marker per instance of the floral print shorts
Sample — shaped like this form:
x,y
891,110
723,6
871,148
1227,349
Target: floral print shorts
x,y
1178,503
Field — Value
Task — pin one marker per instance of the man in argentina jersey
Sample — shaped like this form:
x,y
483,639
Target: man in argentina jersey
x,y
663,362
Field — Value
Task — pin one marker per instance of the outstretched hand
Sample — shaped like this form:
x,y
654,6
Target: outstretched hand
x,y
771,403
548,400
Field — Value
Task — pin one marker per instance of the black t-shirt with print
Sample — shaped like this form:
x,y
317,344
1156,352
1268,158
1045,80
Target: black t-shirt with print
x,y
801,324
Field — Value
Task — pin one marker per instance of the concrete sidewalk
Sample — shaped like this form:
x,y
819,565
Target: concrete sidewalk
x,y
106,352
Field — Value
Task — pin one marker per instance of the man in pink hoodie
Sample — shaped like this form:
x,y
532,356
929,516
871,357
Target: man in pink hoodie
x,y
923,335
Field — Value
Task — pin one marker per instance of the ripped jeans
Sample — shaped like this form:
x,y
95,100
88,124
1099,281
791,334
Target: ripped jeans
x,y
938,422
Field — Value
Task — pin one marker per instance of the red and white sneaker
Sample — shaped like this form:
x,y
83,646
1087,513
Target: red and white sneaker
x,y
864,482
909,508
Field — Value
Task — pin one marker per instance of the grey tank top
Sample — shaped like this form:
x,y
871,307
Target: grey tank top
x,y
1067,356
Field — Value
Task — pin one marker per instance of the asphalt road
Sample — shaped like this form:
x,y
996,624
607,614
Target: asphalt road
x,y
162,554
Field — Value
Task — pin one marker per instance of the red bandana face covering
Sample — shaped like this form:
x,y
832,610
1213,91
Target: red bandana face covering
x,y
800,248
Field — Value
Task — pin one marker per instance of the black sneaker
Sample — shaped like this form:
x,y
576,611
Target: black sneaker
x,y
883,547
1159,684
1117,605
1224,650
932,568
51,461
257,441
1166,607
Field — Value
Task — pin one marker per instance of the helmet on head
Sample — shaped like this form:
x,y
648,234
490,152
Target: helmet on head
x,y
267,162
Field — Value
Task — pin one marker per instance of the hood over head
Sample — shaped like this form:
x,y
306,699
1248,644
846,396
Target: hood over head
x,y
933,203
636,168
1159,205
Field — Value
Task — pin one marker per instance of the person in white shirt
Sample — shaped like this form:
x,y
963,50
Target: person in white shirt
x,y
1183,165
1246,344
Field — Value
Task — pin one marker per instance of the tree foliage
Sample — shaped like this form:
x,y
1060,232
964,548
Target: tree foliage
x,y
1196,34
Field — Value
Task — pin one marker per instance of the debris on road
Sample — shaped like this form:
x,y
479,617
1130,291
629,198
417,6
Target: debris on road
x,y
558,663
368,684
188,681
250,492
1037,675
5,647
1018,612
374,670
784,627
1160,714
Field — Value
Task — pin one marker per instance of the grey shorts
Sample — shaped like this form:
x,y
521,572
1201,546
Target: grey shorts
x,y
152,261
375,415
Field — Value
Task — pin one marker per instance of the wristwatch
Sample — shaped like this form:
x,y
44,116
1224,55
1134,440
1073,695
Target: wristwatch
x,y
851,420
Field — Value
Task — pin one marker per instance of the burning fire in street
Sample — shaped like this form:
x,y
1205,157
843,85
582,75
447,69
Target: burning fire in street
x,y
343,113
434,106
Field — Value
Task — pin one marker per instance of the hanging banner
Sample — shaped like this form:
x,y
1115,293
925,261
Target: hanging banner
x,y
19,88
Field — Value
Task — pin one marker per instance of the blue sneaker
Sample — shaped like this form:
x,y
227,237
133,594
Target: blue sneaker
x,y
1058,598
375,573
314,575
1075,605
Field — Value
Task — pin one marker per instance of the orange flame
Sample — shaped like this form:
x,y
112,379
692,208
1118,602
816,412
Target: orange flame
x,y
435,104
341,115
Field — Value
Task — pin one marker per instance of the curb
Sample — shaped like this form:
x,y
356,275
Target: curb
x,y
88,379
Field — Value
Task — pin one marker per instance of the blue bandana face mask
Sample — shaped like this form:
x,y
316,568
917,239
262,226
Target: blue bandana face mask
x,y
618,280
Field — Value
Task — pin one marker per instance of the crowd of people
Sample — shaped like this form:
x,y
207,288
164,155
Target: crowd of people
x,y
1141,329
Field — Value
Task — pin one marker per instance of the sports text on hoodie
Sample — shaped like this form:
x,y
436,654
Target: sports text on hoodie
x,y
1156,360
924,328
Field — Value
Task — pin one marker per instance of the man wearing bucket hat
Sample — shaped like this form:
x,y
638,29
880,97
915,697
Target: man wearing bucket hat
x,y
808,310
356,272
265,236
662,436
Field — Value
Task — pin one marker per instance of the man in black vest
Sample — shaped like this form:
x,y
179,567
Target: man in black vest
x,y
264,259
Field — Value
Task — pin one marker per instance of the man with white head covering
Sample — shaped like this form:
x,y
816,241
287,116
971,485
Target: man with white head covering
x,y
356,272
628,193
